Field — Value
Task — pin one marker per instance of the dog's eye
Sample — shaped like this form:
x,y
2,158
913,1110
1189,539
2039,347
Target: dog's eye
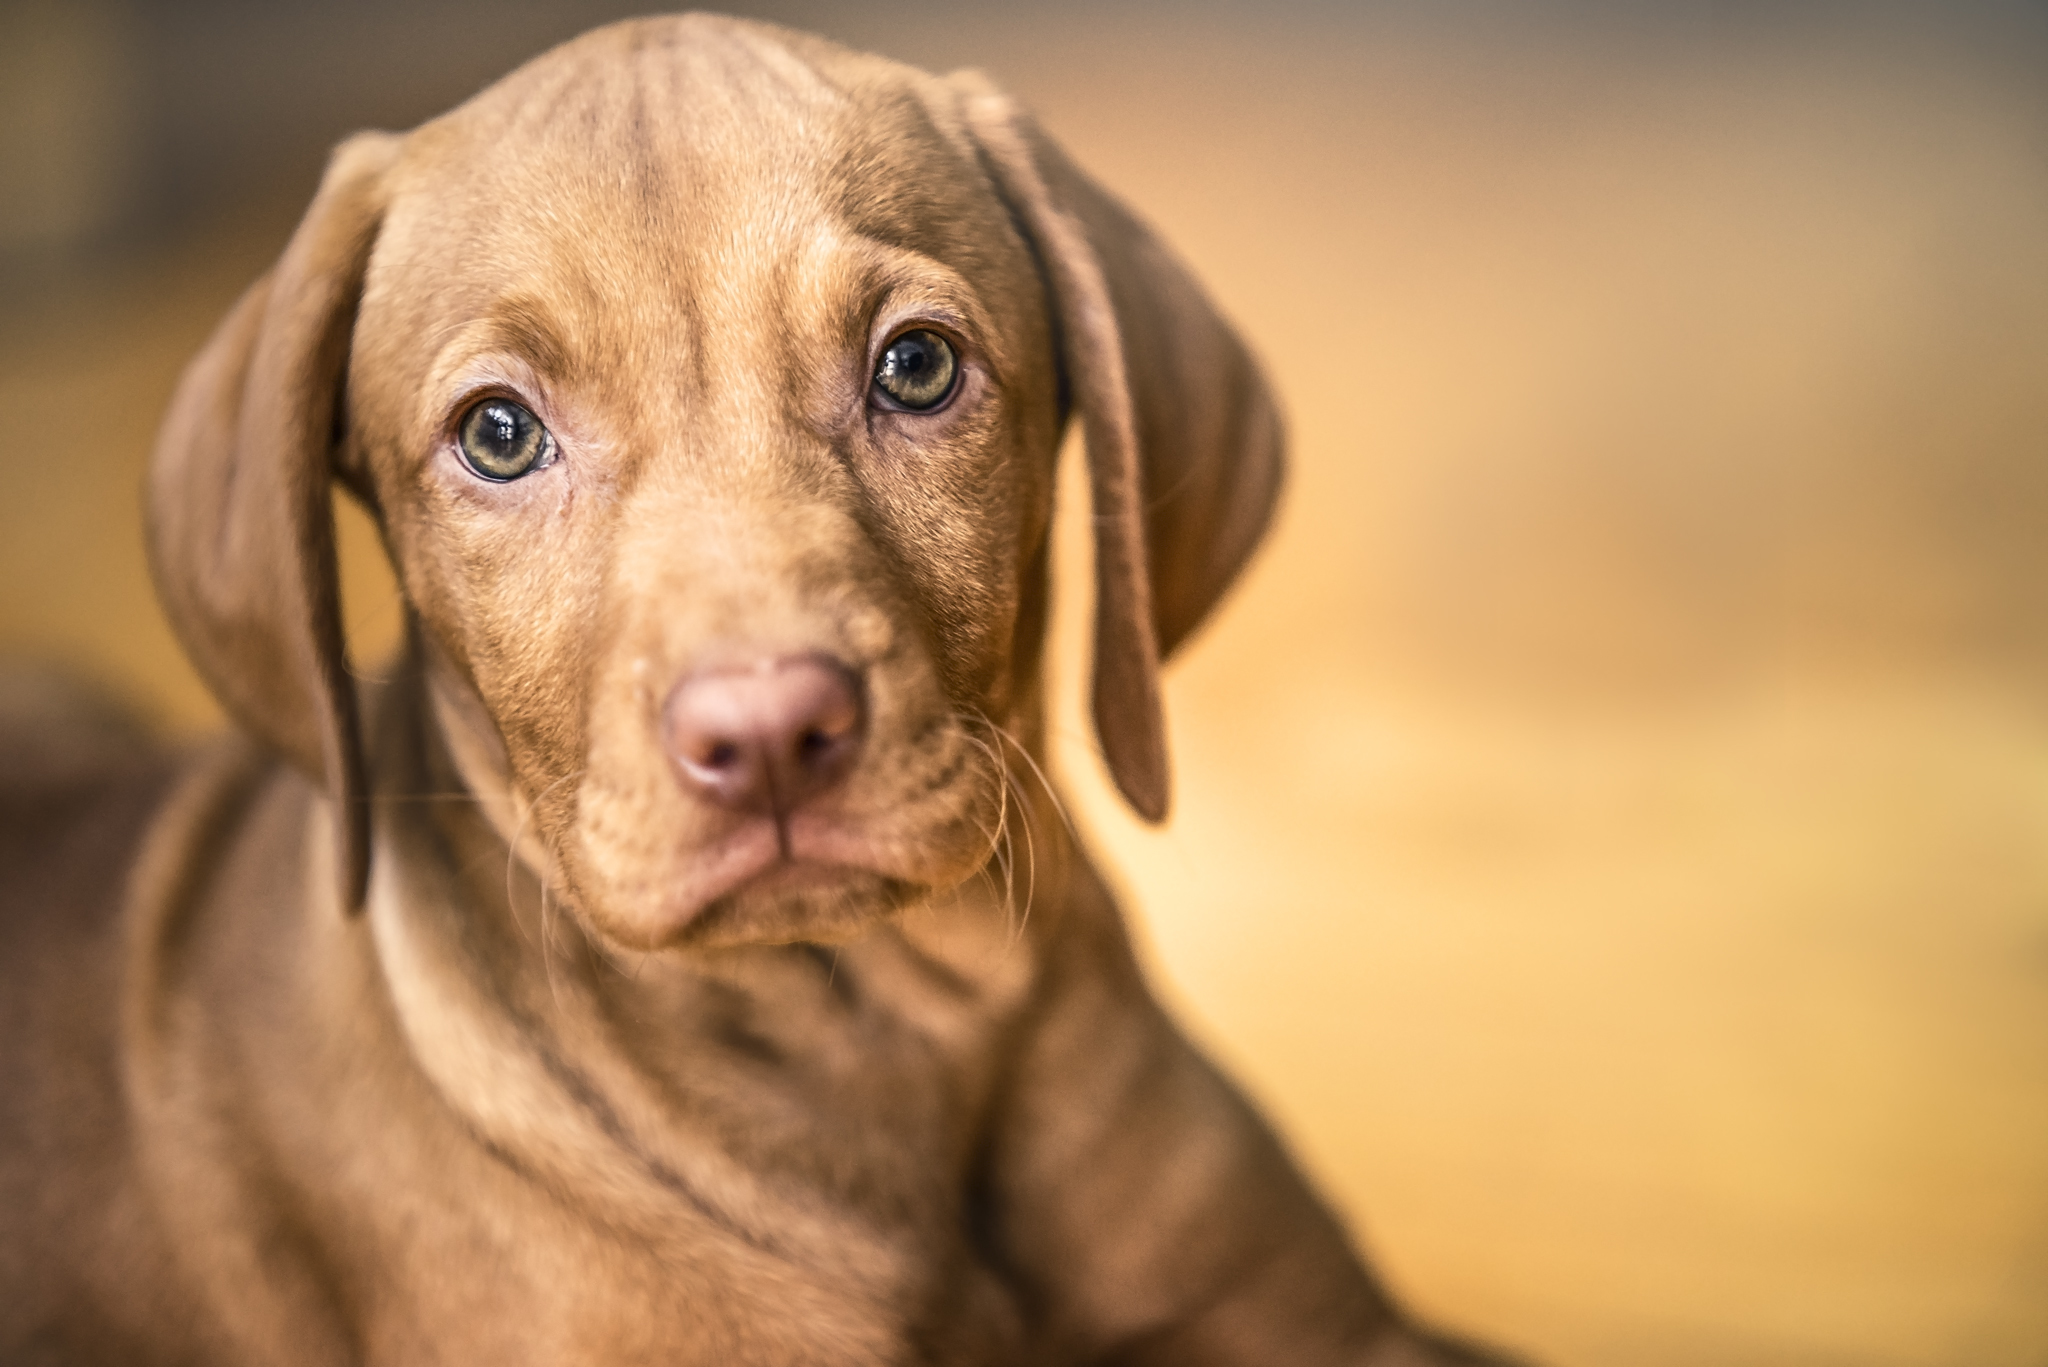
x,y
917,370
501,440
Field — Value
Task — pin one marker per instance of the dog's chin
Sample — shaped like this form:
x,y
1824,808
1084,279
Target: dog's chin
x,y
794,900
753,888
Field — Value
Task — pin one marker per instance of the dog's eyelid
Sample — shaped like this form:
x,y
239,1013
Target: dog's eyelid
x,y
949,325
478,384
470,395
897,310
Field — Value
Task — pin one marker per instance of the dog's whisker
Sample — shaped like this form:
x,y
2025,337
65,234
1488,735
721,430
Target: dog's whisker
x,y
1001,773
988,880
1030,858
511,868
1009,785
548,948
1014,920
548,951
1003,850
526,810
1031,762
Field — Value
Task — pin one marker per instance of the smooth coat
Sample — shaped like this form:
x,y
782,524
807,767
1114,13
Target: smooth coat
x,y
439,1021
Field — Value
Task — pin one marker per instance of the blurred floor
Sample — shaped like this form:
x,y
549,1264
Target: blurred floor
x,y
1612,825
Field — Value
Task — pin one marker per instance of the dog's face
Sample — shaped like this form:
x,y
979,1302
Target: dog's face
x,y
707,381
699,268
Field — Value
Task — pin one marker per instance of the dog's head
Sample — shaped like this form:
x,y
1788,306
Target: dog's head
x,y
707,381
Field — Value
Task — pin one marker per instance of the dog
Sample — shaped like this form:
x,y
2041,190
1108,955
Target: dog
x,y
678,958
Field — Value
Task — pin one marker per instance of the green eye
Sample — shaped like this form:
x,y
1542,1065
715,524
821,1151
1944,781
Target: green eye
x,y
501,441
917,370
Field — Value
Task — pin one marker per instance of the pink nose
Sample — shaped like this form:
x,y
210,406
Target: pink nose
x,y
768,738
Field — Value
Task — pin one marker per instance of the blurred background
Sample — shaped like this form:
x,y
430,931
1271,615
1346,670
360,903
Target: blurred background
x,y
1612,818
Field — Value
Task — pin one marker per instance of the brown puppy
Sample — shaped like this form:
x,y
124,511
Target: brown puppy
x,y
678,961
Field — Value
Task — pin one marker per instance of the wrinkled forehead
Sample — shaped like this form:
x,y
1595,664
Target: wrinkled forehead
x,y
687,155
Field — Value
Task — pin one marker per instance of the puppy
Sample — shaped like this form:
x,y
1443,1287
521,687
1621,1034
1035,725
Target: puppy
x,y
679,959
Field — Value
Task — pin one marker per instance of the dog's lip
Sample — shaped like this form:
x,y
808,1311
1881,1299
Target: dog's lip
x,y
754,856
788,875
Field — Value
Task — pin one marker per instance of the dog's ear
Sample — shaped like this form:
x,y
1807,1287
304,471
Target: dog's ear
x,y
241,514
1184,440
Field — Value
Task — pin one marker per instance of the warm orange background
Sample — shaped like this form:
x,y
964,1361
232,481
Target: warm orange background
x,y
1612,832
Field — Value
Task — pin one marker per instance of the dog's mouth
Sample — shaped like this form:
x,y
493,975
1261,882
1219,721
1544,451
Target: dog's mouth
x,y
760,890
799,900
767,880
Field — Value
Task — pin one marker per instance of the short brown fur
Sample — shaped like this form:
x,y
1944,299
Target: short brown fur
x,y
463,1032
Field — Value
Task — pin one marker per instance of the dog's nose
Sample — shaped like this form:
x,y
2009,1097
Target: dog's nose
x,y
769,737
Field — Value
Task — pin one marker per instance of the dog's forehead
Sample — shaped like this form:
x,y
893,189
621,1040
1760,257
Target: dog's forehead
x,y
643,145
661,191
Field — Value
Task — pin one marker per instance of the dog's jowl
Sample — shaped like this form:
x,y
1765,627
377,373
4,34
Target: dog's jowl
x,y
678,958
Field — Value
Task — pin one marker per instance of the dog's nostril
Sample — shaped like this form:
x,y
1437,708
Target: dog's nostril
x,y
766,738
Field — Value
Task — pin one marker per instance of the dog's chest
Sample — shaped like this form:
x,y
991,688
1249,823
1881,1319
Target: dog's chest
x,y
767,1158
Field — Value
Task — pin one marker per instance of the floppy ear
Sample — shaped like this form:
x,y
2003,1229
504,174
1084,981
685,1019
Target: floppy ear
x,y
241,516
1184,441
